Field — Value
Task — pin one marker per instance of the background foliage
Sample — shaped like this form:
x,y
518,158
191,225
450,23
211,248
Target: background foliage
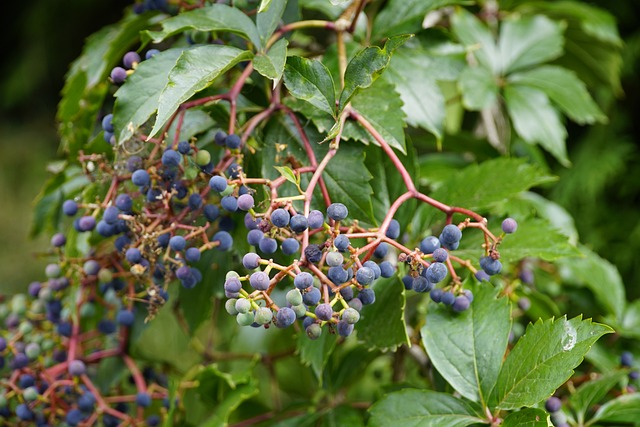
x,y
593,202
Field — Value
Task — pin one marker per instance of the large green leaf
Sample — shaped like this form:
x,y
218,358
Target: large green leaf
x,y
269,18
382,326
421,408
535,119
478,87
600,276
630,322
528,41
414,72
86,82
481,186
623,409
528,417
565,89
271,64
381,105
347,180
367,66
137,99
405,16
194,70
229,404
591,392
309,80
477,38
526,242
467,348
543,359
215,17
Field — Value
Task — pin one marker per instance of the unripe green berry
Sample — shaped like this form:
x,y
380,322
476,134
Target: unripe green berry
x,y
203,158
244,319
105,275
25,328
243,305
230,306
32,351
30,394
351,315
300,310
231,274
263,315
294,297
314,331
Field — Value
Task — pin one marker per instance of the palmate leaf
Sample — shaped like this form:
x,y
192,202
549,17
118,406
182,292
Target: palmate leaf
x,y
478,87
215,17
194,70
467,348
422,408
271,64
543,359
476,36
311,81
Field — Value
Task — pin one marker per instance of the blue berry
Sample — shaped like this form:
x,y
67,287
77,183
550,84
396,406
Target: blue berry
x,y
429,244
324,311
232,285
303,280
233,170
450,234
461,304
290,246
268,245
58,240
407,281
86,223
367,296
436,272
315,219
87,403
70,207
381,250
220,138
280,218
341,242
365,276
171,158
130,58
218,183
124,202
311,297
298,223
118,75
440,255
133,255
337,275
192,255
387,269
232,141
553,404
184,147
254,237
229,203
143,399
337,211
393,231
509,225
211,212
224,239
77,368
259,280
482,276
177,243
422,284
344,328
141,178
110,215
490,266
195,201
448,298
74,417
374,267
107,124
313,253
106,326
285,317
23,412
626,359
251,261
125,318
245,202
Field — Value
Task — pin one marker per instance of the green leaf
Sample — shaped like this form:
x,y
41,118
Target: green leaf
x,y
386,117
288,174
477,38
367,66
271,64
382,326
87,82
264,6
526,242
536,121
194,70
467,348
310,80
565,89
268,19
600,276
592,392
630,322
421,408
137,99
623,409
481,186
216,17
543,359
229,404
529,417
315,353
478,87
347,180
405,16
195,121
413,72
528,41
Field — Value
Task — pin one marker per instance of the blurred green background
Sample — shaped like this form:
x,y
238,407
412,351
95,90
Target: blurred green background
x,y
40,39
